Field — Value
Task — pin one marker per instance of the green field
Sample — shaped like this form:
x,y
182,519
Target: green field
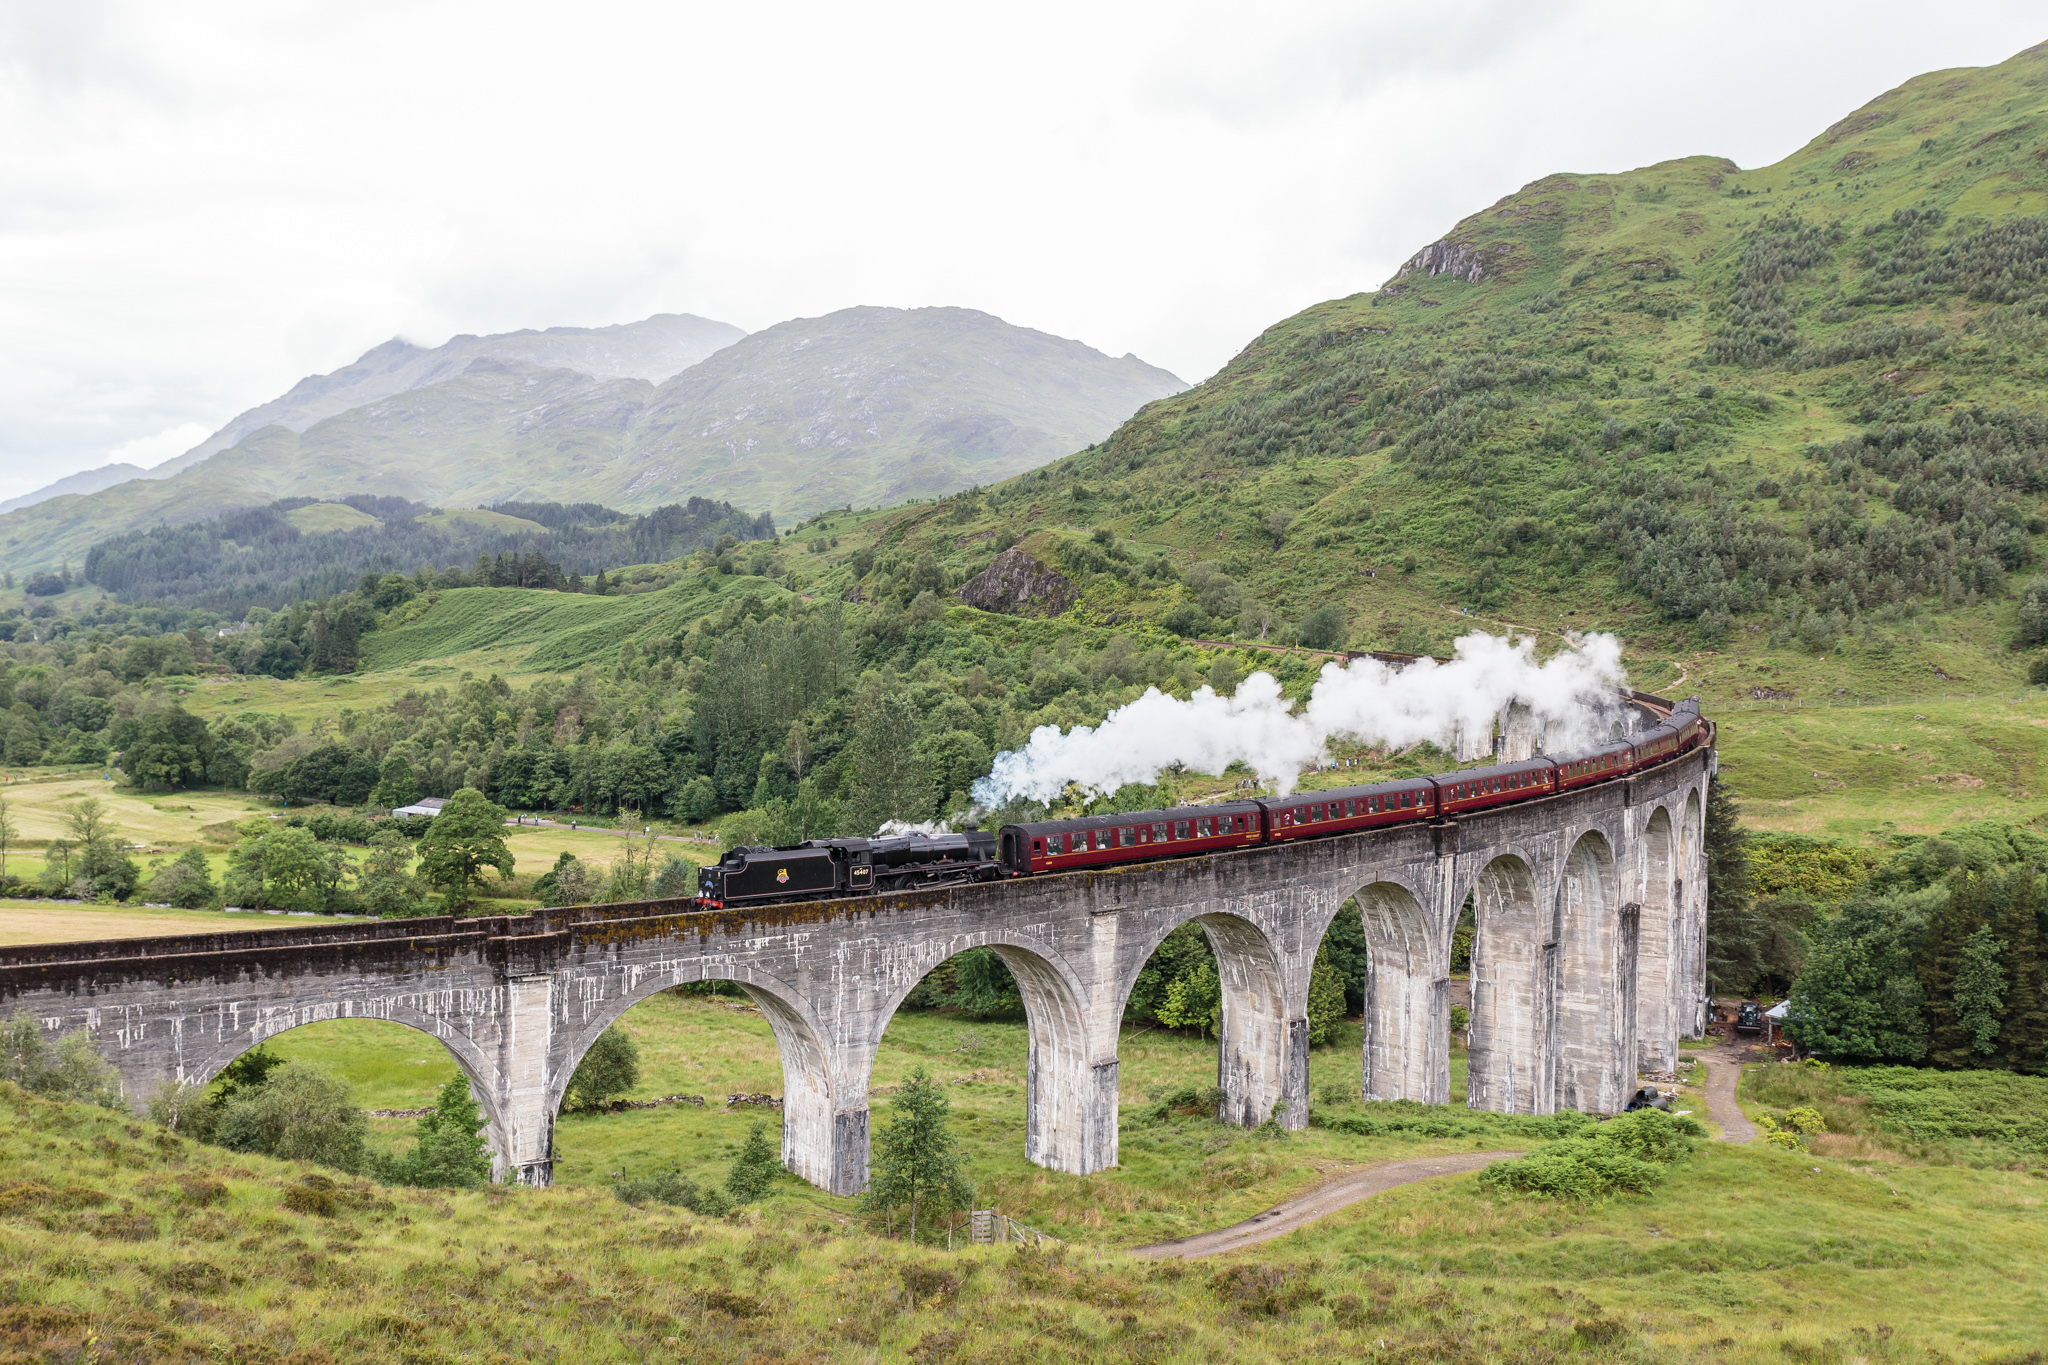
x,y
1745,1253
328,516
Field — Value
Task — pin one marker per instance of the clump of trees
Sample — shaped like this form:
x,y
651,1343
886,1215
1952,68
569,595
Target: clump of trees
x,y
1931,954
297,1112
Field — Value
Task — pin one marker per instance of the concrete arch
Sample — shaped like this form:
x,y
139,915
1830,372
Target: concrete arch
x,y
1262,1036
811,1111
202,1065
1660,945
1512,1064
1596,1012
1407,998
1070,1081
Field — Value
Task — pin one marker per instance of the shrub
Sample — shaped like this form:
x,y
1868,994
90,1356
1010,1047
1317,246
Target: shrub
x,y
1625,1155
73,1070
299,1114
676,1189
183,1107
307,1199
1651,1134
1580,1168
609,1069
755,1169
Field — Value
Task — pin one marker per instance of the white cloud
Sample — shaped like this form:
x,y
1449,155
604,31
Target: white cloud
x,y
199,205
148,451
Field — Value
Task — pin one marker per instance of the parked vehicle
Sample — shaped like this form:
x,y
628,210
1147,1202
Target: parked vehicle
x,y
1749,1017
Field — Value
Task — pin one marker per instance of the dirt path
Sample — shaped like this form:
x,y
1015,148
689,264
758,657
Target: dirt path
x,y
1326,1199
1724,1069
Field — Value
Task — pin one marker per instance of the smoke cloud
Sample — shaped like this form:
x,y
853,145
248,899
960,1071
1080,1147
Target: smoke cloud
x,y
1572,695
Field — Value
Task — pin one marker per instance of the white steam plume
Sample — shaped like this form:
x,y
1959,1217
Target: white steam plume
x,y
1369,702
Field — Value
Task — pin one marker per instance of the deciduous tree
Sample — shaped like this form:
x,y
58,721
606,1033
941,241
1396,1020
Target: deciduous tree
x,y
465,838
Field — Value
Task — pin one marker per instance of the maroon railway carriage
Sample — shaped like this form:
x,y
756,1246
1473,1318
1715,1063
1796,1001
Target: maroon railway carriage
x,y
1106,840
1339,810
1479,788
1582,766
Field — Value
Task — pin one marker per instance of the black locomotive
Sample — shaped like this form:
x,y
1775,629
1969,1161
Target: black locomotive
x,y
819,869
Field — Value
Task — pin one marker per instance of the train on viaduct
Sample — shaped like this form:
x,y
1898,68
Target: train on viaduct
x,y
1587,967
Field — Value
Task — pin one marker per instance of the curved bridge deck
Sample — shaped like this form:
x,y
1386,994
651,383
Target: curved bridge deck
x,y
1588,964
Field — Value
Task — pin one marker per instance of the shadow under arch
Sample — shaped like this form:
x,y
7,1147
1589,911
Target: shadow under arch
x,y
1070,1093
814,1128
1659,948
1596,1013
1261,1036
1407,1054
200,1067
1512,1061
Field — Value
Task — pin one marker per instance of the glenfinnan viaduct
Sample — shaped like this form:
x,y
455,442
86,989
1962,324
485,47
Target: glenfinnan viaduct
x,y
1588,965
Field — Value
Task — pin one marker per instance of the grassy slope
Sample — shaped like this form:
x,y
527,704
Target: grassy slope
x,y
550,630
328,516
1745,1250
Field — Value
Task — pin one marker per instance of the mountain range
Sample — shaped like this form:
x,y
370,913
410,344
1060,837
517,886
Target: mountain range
x,y
868,405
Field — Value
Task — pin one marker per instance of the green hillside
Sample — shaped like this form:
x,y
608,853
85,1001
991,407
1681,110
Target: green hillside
x,y
1788,416
552,630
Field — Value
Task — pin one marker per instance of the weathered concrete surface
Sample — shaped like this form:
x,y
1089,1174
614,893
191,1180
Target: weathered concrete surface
x,y
1587,959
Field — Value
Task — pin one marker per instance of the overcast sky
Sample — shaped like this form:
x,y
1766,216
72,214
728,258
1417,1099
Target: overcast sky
x,y
201,203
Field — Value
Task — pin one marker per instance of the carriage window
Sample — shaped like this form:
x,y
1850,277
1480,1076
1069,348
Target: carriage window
x,y
1315,812
1407,800
1180,829
1038,845
1159,833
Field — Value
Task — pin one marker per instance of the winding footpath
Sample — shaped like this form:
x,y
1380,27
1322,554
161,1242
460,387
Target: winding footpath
x,y
1340,1193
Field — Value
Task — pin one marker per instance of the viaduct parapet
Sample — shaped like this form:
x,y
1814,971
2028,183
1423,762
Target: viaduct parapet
x,y
1588,965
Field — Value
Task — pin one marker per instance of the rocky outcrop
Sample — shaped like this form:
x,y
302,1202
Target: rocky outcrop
x,y
1018,585
1459,260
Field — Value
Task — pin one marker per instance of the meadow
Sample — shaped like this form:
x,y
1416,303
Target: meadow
x,y
127,1242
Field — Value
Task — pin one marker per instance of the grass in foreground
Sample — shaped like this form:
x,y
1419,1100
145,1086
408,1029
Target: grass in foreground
x,y
126,1243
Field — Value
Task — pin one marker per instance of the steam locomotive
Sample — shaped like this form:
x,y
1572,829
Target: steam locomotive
x,y
823,869
827,868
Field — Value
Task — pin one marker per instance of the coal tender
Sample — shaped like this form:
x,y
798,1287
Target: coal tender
x,y
821,869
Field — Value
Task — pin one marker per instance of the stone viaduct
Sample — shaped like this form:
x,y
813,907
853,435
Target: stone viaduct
x,y
1588,965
